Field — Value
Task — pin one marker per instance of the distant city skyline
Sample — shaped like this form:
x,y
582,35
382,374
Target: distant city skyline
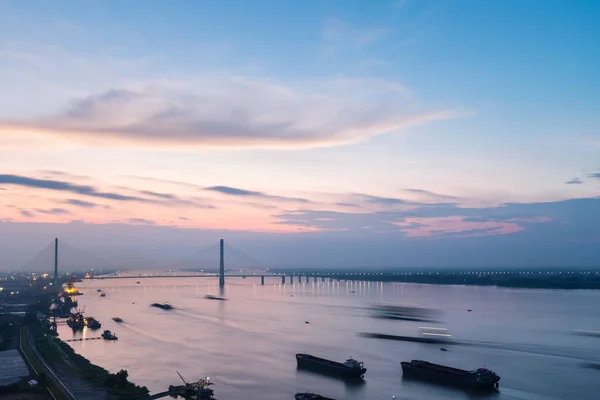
x,y
321,133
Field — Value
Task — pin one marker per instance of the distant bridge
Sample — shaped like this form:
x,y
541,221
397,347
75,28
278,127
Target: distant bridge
x,y
72,256
216,275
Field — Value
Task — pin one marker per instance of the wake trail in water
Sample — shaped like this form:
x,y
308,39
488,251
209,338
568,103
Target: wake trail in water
x,y
530,349
220,321
153,337
518,394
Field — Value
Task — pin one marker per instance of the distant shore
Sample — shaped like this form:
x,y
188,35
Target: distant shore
x,y
526,279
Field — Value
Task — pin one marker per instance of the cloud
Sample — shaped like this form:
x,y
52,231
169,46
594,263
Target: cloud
x,y
26,213
238,112
452,220
349,205
184,218
141,221
574,181
91,191
382,200
80,203
455,226
64,174
145,178
54,211
432,195
231,191
166,196
594,175
63,186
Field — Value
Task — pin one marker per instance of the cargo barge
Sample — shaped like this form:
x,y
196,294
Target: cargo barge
x,y
349,369
479,379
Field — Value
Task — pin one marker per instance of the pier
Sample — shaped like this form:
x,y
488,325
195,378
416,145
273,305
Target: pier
x,y
82,339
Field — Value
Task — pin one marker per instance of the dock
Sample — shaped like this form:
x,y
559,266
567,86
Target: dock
x,y
82,339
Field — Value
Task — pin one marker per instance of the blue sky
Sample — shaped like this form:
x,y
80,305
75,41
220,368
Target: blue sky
x,y
434,106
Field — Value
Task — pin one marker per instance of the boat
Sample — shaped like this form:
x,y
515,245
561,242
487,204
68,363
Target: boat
x,y
405,313
214,297
481,378
75,321
107,335
117,319
163,306
193,390
310,396
92,323
102,294
428,339
99,290
349,369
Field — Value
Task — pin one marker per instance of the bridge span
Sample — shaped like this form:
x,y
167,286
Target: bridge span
x,y
215,275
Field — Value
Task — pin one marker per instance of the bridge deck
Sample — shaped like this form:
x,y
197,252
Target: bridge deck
x,y
189,276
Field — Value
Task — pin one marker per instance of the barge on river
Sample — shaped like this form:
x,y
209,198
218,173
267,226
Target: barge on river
x,y
480,379
349,369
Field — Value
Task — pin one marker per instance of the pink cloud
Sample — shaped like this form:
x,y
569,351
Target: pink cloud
x,y
455,225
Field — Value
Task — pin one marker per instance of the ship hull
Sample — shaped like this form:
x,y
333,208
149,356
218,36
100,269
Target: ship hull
x,y
328,367
456,378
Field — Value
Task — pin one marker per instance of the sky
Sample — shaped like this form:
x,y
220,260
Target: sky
x,y
334,133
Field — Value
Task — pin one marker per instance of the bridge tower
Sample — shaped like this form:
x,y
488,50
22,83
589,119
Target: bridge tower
x,y
222,267
55,261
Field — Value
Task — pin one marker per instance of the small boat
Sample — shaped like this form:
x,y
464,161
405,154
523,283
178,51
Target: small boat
x,y
349,369
76,322
214,297
92,323
443,349
99,290
481,378
138,282
102,294
117,319
107,335
310,396
163,306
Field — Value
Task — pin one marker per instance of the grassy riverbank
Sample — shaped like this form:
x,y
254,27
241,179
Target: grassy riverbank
x,y
59,353
38,367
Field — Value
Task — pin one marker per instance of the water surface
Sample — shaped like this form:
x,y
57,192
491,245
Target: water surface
x,y
247,345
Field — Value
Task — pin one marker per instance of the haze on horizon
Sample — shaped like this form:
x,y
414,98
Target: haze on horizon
x,y
321,133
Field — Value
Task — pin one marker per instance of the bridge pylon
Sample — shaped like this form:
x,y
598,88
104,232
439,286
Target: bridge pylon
x,y
222,266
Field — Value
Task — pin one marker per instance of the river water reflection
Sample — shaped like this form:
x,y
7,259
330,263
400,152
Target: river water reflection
x,y
246,345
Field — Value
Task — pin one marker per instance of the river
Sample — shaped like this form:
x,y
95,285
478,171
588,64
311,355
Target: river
x,y
247,345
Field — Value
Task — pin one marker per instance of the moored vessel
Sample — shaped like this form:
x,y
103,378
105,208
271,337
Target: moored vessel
x,y
481,378
214,297
349,369
92,323
75,321
163,306
108,335
310,396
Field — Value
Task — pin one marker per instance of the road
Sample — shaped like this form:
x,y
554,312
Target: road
x,y
66,384
58,390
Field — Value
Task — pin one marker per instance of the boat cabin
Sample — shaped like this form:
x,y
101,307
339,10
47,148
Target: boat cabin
x,y
352,363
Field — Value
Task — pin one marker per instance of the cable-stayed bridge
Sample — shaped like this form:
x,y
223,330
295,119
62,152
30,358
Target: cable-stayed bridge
x,y
221,260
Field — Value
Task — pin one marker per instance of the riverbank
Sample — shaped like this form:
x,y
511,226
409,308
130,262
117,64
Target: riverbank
x,y
84,379
53,363
548,278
